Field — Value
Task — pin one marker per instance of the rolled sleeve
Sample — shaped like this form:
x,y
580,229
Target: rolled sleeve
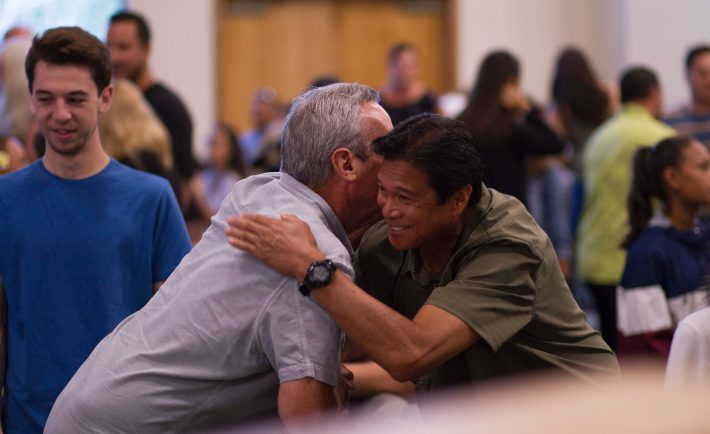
x,y
493,291
299,338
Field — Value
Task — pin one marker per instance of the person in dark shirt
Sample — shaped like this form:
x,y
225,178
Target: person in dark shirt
x,y
129,42
507,123
404,94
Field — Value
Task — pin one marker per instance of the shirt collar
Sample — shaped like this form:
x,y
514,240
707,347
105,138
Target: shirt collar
x,y
309,196
632,108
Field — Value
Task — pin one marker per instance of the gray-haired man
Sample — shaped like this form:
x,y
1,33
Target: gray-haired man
x,y
217,345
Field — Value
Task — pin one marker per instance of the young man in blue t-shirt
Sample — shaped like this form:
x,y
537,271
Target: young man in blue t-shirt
x,y
86,240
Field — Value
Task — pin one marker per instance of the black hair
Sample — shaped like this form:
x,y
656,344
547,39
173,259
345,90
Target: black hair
x,y
70,46
443,148
647,183
637,83
484,113
693,53
576,90
141,24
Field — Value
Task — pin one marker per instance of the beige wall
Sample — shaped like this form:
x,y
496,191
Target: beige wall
x,y
615,33
658,34
535,31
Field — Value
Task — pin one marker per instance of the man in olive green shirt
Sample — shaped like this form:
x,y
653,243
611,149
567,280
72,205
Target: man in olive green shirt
x,y
607,178
463,284
503,280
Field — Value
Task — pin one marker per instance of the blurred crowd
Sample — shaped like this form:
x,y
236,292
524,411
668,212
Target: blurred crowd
x,y
620,187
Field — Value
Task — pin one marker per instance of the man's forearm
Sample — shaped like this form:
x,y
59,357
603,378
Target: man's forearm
x,y
369,379
398,344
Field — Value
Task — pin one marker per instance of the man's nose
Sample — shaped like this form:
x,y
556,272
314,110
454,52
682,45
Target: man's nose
x,y
61,111
389,210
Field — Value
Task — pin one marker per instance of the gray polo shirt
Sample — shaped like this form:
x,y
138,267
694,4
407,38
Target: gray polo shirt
x,y
209,350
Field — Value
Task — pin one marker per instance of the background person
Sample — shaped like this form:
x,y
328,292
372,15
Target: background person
x,y
693,119
508,126
132,134
606,165
12,155
15,114
211,185
129,41
86,240
667,272
404,94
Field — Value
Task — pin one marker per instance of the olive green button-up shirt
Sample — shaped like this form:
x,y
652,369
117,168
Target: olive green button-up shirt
x,y
504,281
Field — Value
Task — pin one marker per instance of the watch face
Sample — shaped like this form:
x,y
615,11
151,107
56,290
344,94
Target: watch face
x,y
321,273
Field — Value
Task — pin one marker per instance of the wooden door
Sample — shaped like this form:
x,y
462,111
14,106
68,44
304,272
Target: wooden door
x,y
285,44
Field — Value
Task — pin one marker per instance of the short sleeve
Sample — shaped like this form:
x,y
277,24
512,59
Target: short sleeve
x,y
493,290
689,359
299,338
171,241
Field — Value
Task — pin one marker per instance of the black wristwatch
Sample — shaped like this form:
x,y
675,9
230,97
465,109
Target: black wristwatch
x,y
318,275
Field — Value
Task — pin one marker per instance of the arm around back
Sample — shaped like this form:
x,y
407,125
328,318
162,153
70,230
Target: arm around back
x,y
406,349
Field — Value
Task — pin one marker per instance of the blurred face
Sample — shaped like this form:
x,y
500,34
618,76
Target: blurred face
x,y
66,106
690,181
262,112
699,79
405,69
220,149
128,56
410,207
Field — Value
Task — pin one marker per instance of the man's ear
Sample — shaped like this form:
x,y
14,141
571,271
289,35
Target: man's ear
x,y
461,197
105,98
343,164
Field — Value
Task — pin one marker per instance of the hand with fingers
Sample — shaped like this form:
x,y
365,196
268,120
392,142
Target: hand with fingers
x,y
344,388
285,244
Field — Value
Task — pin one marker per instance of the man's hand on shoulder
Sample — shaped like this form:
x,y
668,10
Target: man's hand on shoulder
x,y
286,244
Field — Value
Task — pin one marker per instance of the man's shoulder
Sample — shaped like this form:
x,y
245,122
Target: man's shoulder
x,y
130,178
638,126
23,184
159,94
270,194
623,137
19,177
507,221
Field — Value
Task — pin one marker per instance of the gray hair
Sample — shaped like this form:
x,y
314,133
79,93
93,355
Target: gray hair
x,y
319,122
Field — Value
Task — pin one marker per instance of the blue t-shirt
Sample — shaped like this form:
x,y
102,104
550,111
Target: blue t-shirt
x,y
76,258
